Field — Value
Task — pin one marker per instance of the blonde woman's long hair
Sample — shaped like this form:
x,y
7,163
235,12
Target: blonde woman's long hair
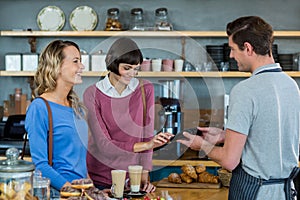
x,y
50,61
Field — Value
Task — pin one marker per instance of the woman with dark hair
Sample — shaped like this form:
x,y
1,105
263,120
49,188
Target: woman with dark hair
x,y
59,70
121,117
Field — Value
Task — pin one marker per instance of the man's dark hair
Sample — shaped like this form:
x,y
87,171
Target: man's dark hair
x,y
254,30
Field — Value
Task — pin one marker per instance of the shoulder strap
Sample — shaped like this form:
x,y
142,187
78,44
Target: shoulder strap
x,y
144,102
50,132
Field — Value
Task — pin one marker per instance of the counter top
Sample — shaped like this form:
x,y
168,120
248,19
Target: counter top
x,y
191,194
175,163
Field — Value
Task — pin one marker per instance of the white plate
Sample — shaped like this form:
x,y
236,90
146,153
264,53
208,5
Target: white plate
x,y
51,18
83,18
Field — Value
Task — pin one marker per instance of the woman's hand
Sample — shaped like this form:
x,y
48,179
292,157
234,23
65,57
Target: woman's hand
x,y
148,187
157,141
160,139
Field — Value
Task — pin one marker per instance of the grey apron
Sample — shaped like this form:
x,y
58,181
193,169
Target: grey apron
x,y
243,186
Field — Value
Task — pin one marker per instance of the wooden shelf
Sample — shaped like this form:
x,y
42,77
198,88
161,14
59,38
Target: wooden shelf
x,y
235,74
132,33
115,33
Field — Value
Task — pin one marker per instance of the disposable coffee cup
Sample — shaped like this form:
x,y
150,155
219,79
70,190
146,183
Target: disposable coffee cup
x,y
135,175
118,183
178,65
146,65
156,65
167,65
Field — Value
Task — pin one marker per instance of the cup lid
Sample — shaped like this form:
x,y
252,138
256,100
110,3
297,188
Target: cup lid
x,y
12,164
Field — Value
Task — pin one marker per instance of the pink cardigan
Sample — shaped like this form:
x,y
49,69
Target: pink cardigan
x,y
116,124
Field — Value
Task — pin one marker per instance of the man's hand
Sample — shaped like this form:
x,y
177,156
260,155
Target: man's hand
x,y
213,135
192,141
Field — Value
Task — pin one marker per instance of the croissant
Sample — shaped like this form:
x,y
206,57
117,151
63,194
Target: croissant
x,y
174,178
200,168
186,178
206,177
189,170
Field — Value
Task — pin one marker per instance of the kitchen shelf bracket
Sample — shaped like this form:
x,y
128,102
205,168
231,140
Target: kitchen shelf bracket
x,y
32,42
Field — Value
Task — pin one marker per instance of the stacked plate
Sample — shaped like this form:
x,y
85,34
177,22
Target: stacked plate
x,y
232,63
275,52
216,52
286,61
52,18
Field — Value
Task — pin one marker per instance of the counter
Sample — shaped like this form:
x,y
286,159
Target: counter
x,y
192,194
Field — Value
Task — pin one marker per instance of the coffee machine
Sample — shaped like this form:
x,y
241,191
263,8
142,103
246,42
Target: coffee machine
x,y
171,114
171,120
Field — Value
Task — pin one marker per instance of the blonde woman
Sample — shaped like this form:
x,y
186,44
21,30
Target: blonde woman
x,y
59,70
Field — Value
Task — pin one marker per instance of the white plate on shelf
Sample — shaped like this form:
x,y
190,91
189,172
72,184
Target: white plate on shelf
x,y
51,18
83,18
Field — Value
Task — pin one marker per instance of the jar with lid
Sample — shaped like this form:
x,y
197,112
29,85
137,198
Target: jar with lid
x,y
112,20
161,20
137,19
16,176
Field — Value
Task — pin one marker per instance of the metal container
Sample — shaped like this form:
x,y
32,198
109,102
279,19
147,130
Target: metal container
x,y
16,176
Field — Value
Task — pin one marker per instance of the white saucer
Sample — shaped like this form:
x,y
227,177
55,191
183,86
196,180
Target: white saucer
x,y
51,18
83,18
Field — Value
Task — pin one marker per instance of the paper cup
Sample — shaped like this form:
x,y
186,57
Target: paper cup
x,y
178,65
146,65
156,65
167,65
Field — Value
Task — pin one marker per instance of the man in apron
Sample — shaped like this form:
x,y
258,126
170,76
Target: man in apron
x,y
261,139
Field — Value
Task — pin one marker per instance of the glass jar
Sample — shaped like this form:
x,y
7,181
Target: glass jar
x,y
112,20
16,176
161,20
137,19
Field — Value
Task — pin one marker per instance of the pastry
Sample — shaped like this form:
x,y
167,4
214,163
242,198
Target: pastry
x,y
200,168
189,170
7,191
174,178
206,177
186,178
83,183
69,191
24,191
94,193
